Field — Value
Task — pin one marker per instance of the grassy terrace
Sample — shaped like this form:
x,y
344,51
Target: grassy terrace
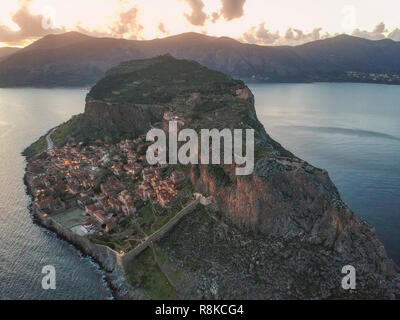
x,y
153,271
63,131
147,271
40,145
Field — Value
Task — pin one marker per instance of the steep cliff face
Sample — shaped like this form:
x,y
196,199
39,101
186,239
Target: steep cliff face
x,y
285,227
121,119
287,198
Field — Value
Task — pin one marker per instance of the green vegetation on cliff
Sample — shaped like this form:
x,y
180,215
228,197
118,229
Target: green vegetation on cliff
x,y
146,273
158,80
40,145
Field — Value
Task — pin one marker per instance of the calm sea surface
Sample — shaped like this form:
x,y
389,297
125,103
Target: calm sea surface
x,y
25,115
353,131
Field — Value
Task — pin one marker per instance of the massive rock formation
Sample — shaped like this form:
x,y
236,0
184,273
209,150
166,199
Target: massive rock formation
x,y
281,232
122,119
296,205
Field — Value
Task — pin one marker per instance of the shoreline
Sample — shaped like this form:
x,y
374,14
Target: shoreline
x,y
112,276
245,80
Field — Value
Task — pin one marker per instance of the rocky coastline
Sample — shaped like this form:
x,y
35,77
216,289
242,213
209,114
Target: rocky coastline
x,y
114,275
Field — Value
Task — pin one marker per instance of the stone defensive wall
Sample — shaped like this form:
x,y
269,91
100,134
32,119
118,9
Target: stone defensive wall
x,y
108,258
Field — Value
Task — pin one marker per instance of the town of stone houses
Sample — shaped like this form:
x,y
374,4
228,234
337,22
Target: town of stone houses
x,y
104,191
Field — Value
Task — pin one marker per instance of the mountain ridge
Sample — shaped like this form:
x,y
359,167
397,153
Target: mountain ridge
x,y
7,51
75,59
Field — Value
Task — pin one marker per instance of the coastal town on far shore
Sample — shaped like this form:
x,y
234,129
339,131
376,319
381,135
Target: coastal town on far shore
x,y
101,183
373,77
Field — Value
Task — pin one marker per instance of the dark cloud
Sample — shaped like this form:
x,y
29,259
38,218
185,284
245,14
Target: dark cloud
x,y
127,25
31,26
231,9
162,29
214,17
197,17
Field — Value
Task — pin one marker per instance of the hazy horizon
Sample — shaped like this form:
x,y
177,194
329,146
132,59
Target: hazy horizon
x,y
250,21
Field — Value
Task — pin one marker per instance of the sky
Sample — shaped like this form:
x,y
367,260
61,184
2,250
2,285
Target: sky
x,y
264,22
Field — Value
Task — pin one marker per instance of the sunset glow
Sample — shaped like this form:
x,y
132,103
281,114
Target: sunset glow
x,y
256,21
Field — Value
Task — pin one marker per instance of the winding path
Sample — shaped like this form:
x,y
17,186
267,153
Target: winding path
x,y
50,143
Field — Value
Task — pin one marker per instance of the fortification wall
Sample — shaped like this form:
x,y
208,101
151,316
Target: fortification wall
x,y
108,258
128,257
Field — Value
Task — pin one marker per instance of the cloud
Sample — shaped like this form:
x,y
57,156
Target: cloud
x,y
231,9
162,29
265,36
394,35
197,17
376,34
261,35
297,36
126,25
214,17
380,28
30,26
34,26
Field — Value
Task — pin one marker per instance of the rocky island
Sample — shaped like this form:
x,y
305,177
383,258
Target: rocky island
x,y
197,231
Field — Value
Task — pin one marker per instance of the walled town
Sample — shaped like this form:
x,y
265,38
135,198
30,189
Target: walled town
x,y
104,182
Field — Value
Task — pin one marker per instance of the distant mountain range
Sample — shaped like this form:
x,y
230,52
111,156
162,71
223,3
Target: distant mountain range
x,y
75,59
